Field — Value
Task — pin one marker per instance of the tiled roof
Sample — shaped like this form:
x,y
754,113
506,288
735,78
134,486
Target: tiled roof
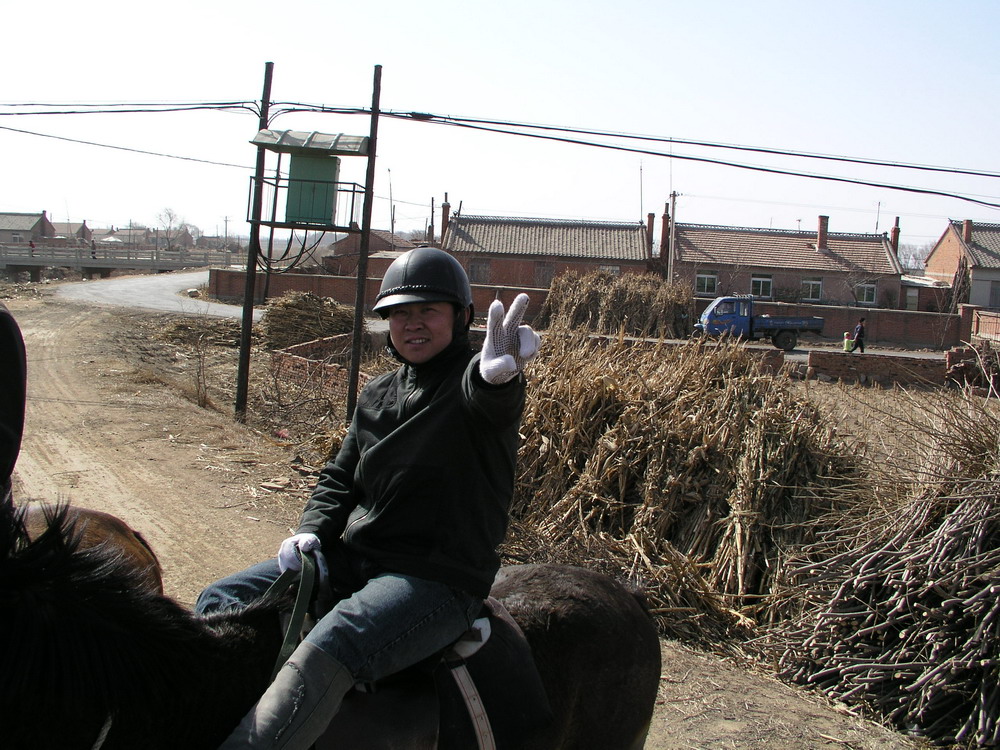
x,y
597,240
16,222
393,239
63,227
984,250
784,248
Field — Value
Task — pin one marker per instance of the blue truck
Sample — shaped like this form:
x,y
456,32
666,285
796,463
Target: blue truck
x,y
734,316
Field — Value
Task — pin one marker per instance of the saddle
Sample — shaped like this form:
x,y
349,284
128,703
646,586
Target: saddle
x,y
483,691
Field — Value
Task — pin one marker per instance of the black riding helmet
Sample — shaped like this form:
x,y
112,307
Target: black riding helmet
x,y
425,274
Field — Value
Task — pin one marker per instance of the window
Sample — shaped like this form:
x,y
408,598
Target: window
x,y
706,283
760,286
912,298
994,295
865,294
16,237
613,270
812,289
543,274
479,272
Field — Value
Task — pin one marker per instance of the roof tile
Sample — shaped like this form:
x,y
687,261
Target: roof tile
x,y
782,248
597,240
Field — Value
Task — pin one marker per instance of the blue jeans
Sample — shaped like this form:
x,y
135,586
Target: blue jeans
x,y
383,623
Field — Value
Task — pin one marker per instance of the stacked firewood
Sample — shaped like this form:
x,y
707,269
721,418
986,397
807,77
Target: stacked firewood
x,y
907,621
633,304
297,317
687,465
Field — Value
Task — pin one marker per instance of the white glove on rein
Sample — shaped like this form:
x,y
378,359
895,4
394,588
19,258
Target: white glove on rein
x,y
290,551
509,344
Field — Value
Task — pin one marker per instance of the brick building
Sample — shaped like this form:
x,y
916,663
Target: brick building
x,y
17,228
505,251
783,265
967,256
342,256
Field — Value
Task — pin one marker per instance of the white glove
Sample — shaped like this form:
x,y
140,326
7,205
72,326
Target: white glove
x,y
509,344
290,551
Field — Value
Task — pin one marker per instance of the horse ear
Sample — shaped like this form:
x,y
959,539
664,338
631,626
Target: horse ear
x,y
13,374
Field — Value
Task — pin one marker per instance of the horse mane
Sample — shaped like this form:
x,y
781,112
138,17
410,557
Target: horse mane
x,y
82,640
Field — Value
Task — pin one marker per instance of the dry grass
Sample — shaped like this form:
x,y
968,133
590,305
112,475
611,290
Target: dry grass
x,y
857,528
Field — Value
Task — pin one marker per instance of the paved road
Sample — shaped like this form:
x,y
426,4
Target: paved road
x,y
160,292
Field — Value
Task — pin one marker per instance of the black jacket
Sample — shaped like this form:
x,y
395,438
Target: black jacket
x,y
423,481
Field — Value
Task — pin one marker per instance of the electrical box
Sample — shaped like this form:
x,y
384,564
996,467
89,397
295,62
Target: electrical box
x,y
312,188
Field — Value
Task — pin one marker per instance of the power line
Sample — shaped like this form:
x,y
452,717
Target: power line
x,y
505,127
721,162
125,148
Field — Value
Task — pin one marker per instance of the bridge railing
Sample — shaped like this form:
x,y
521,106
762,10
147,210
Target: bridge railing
x,y
124,257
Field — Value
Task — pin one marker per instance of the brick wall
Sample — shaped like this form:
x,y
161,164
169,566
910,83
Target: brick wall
x,y
321,364
903,327
884,370
228,285
900,327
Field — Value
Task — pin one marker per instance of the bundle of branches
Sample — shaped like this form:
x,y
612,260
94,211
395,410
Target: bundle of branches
x,y
901,606
983,371
297,317
908,624
702,469
202,331
635,304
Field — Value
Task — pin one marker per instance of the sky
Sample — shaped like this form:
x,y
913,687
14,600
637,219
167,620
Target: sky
x,y
899,81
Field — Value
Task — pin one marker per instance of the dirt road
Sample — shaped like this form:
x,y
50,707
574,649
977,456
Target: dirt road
x,y
187,478
100,434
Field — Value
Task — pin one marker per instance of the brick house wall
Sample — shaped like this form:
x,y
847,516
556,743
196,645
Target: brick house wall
x,y
943,262
536,272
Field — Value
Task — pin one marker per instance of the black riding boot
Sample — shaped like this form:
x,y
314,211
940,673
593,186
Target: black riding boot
x,y
297,707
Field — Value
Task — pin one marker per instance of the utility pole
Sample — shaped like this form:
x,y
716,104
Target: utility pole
x,y
672,236
243,370
366,231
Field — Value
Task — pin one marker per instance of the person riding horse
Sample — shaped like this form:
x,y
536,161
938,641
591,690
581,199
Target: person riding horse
x,y
13,376
410,513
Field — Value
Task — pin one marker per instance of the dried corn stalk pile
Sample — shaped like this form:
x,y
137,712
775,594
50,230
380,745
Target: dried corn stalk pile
x,y
687,465
903,605
297,317
636,304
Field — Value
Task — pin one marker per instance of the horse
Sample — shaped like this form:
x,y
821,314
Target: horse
x,y
97,527
92,658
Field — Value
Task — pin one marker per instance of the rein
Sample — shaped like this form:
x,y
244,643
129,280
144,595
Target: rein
x,y
294,626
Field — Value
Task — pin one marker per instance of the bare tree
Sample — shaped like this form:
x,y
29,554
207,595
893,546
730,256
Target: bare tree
x,y
170,222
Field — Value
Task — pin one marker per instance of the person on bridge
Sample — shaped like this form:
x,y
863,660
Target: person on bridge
x,y
859,336
410,512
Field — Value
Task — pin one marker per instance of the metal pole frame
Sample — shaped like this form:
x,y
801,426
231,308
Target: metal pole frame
x,y
253,251
366,229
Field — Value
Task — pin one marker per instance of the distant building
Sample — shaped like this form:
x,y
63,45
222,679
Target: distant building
x,y
519,252
17,228
75,230
967,257
790,265
342,256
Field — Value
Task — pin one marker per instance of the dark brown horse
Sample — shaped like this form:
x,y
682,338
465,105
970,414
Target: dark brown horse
x,y
91,657
96,527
